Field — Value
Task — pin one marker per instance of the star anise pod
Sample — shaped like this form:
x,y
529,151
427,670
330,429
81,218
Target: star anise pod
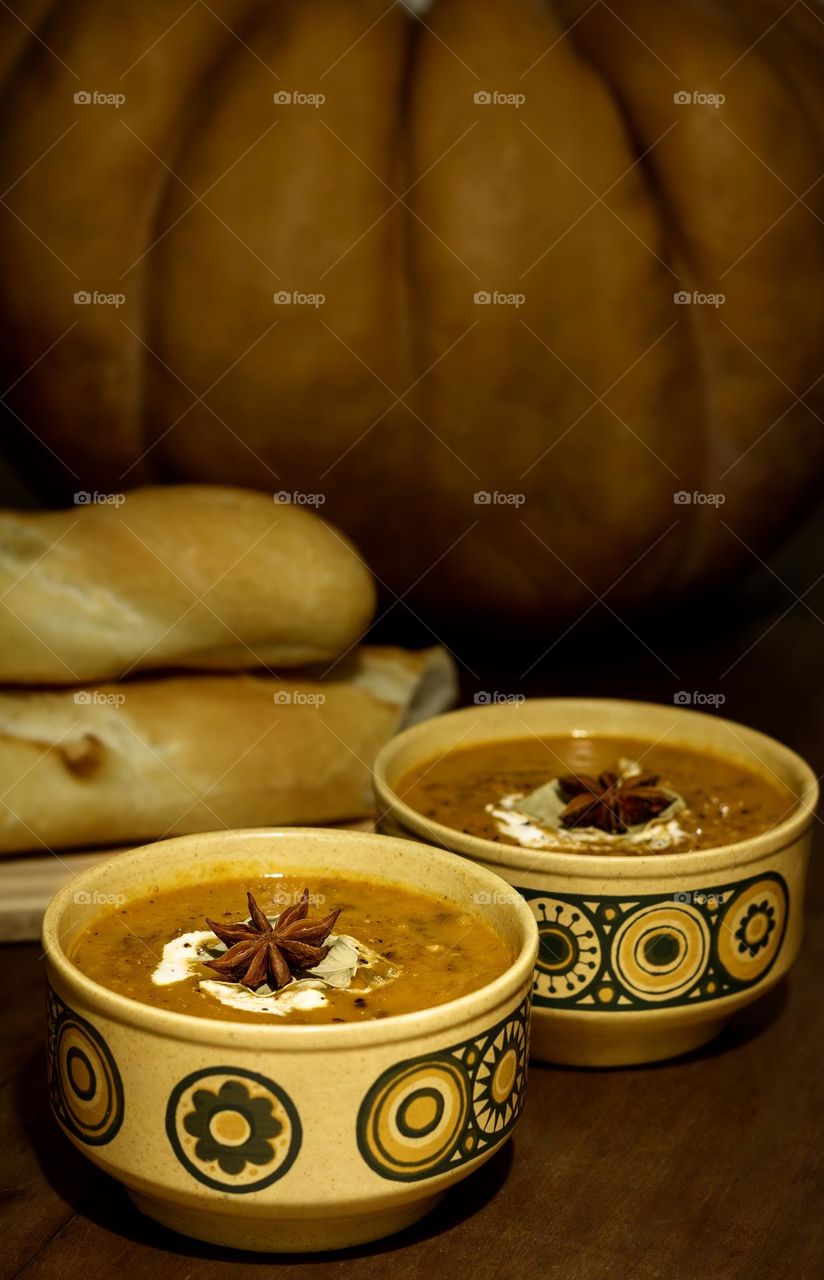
x,y
612,802
259,951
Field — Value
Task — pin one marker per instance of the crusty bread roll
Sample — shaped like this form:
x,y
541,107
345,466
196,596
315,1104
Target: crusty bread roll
x,y
154,757
177,576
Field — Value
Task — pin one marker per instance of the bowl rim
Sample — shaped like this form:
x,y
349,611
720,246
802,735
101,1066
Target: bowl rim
x,y
589,866
294,1037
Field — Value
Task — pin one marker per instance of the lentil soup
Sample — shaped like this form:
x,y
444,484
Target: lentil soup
x,y
392,950
596,794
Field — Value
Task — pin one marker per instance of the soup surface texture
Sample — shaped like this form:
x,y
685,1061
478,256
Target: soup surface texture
x,y
408,950
517,792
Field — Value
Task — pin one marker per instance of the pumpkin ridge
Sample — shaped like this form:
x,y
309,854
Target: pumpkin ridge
x,y
671,560
191,123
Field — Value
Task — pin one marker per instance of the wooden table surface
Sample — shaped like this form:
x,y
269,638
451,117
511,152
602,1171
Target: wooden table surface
x,y
710,1167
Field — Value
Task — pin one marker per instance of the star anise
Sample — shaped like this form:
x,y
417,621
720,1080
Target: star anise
x,y
259,951
612,802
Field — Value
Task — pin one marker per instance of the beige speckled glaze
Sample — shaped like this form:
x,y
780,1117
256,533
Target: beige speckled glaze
x,y
287,1138
722,925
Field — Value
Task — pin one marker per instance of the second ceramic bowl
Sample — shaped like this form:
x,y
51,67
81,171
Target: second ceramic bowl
x,y
728,919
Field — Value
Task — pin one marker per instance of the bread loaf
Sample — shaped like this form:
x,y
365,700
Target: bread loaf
x,y
196,576
132,761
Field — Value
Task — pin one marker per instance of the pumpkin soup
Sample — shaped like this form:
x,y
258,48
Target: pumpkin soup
x,y
596,794
268,950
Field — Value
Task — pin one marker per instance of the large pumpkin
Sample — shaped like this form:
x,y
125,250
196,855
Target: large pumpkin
x,y
540,152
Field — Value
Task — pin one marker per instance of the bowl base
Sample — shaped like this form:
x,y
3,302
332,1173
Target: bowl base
x,y
283,1235
582,1044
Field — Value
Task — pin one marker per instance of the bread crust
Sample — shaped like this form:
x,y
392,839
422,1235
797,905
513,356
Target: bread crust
x,y
141,759
195,576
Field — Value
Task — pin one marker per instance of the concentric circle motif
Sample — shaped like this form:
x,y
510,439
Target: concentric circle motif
x,y
751,930
569,955
499,1083
413,1118
85,1087
661,950
232,1129
426,1115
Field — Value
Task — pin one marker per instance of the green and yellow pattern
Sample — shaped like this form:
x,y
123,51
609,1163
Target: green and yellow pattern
x,y
614,954
85,1088
429,1114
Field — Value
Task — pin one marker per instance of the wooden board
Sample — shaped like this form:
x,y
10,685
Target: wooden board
x,y
28,883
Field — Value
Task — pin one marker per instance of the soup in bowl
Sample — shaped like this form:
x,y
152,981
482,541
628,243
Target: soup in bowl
x,y
662,851
288,1040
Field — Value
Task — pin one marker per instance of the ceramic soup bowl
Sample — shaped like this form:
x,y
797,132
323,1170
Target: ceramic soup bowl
x,y
729,919
349,1132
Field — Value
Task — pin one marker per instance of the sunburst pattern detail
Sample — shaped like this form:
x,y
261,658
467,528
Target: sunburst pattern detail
x,y
500,1081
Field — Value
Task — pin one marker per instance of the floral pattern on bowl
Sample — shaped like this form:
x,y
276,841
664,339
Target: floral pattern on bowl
x,y
232,1129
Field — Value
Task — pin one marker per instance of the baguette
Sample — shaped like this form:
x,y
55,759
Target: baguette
x,y
194,576
164,756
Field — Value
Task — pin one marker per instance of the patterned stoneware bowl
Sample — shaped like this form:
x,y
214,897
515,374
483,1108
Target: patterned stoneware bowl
x,y
728,920
287,1138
